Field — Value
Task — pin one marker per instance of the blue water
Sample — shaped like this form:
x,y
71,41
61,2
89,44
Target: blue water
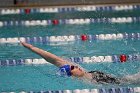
x,y
43,77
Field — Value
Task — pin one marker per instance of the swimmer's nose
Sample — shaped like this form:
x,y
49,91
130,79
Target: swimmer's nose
x,y
80,69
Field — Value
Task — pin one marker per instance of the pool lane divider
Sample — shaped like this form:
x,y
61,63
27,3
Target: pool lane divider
x,y
94,59
64,9
71,38
69,21
101,90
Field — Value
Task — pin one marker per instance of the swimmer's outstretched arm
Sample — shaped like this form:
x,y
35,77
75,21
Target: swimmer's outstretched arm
x,y
46,55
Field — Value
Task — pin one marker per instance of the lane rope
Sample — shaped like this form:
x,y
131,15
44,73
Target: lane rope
x,y
93,59
69,21
101,90
69,9
71,38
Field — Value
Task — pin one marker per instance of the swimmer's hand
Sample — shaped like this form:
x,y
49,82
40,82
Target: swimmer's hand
x,y
26,44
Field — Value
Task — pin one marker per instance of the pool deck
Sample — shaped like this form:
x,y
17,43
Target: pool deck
x,y
54,3
63,6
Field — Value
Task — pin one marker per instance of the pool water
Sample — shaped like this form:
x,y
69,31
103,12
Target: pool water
x,y
43,77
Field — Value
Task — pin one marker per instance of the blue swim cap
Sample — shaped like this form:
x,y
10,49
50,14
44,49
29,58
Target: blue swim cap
x,y
65,70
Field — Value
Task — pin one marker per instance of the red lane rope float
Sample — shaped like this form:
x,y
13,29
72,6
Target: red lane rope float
x,y
84,37
55,22
27,11
123,58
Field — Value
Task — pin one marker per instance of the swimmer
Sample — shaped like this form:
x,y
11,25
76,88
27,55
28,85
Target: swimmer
x,y
71,69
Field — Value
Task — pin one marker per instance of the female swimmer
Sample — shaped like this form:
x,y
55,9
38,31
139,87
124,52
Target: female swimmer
x,y
71,69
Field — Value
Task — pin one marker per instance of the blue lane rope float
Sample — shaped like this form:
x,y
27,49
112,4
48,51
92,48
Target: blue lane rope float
x,y
101,90
94,59
71,38
69,9
70,21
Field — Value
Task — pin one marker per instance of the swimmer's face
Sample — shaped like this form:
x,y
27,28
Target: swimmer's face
x,y
76,71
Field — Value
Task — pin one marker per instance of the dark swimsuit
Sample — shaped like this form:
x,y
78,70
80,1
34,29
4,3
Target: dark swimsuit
x,y
101,77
